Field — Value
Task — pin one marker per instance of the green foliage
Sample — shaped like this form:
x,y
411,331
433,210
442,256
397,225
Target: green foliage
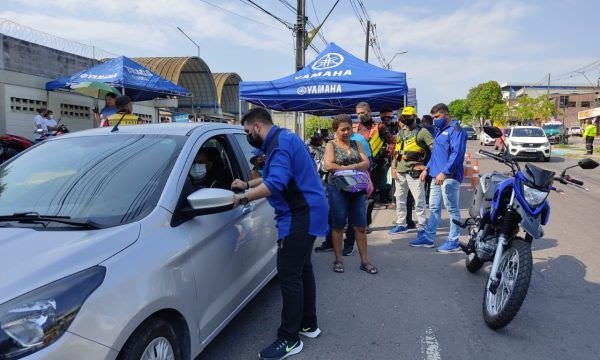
x,y
539,108
315,123
499,114
458,109
482,98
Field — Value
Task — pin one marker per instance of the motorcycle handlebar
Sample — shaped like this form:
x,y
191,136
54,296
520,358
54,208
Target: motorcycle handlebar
x,y
491,155
574,181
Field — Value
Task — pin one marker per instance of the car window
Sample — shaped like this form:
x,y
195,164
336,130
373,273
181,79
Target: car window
x,y
221,164
254,157
110,180
528,132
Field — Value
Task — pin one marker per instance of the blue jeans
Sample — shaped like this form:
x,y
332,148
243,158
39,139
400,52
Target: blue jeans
x,y
346,208
448,194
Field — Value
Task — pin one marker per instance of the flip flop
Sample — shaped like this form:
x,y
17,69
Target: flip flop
x,y
338,267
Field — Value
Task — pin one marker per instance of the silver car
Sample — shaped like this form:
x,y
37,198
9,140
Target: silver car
x,y
117,244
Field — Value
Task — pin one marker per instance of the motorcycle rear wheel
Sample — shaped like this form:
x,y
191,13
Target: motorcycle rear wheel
x,y
516,266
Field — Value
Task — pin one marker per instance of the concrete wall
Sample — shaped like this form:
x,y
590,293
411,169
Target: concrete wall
x,y
29,58
25,68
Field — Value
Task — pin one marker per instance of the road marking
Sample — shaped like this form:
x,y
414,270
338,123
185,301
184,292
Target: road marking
x,y
430,348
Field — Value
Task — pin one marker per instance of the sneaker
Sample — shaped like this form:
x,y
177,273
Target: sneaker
x,y
449,247
420,241
280,349
324,247
311,332
347,251
398,229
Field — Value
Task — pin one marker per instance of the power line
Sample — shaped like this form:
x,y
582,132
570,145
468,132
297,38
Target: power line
x,y
236,14
293,10
285,23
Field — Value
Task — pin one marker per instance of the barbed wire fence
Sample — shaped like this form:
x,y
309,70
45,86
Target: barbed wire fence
x,y
26,33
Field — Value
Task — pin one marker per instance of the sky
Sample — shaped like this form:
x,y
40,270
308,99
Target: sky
x,y
451,46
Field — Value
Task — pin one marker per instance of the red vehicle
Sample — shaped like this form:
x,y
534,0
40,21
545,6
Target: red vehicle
x,y
12,145
499,145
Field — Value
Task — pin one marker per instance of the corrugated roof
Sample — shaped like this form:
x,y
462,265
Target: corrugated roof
x,y
190,72
228,94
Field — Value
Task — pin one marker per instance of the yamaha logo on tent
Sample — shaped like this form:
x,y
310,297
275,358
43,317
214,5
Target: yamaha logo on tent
x,y
328,61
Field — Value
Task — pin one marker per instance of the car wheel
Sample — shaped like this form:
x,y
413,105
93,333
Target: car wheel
x,y
154,340
547,159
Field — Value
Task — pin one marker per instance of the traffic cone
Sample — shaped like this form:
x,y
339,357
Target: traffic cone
x,y
475,176
468,174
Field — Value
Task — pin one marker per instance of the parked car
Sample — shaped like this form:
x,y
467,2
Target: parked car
x,y
485,139
575,131
528,142
471,133
555,133
119,247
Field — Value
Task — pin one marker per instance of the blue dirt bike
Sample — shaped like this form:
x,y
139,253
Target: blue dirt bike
x,y
506,214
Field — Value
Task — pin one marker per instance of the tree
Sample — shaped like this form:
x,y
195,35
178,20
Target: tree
x,y
482,98
315,123
499,114
537,109
458,109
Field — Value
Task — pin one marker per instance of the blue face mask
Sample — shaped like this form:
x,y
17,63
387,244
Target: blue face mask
x,y
439,123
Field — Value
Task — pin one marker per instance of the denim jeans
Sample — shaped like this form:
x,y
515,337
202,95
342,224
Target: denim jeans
x,y
447,194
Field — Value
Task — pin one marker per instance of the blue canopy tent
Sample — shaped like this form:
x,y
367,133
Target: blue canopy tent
x,y
333,83
136,81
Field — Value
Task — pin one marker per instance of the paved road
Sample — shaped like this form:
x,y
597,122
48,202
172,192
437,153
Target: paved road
x,y
425,305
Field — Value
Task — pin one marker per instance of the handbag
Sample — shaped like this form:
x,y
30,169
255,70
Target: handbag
x,y
350,180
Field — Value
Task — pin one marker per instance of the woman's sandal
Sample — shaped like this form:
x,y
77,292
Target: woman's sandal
x,y
368,268
338,267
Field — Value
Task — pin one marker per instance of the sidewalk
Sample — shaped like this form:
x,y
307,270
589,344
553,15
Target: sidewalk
x,y
576,148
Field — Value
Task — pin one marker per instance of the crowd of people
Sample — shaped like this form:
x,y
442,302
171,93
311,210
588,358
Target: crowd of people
x,y
330,185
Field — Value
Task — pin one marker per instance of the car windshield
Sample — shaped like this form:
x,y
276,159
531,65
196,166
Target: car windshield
x,y
468,128
108,180
527,132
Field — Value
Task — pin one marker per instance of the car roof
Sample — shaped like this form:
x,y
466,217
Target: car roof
x,y
526,127
182,129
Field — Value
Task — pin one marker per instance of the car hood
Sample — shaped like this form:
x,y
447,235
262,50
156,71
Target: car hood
x,y
32,258
533,140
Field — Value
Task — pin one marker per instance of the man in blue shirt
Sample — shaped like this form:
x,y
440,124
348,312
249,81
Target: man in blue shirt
x,y
446,169
292,185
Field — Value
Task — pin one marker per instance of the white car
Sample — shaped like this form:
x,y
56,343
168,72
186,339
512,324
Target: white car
x,y
575,131
528,142
486,140
126,244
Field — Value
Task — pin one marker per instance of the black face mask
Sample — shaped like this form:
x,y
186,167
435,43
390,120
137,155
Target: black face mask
x,y
409,122
254,140
365,119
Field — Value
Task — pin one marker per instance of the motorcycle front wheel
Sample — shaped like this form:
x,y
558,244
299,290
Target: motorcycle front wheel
x,y
515,270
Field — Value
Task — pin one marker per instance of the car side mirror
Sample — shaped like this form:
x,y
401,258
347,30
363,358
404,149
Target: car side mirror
x,y
492,132
587,164
210,201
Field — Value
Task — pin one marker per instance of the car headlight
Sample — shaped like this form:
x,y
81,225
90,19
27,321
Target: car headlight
x,y
38,318
534,197
547,143
516,143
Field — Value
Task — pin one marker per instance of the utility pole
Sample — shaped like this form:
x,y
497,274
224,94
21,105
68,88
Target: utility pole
x,y
300,47
368,40
300,35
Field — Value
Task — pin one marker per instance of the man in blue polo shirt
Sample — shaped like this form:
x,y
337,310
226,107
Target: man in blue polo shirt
x,y
292,185
446,169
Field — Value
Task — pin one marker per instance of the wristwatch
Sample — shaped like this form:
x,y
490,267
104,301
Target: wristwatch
x,y
243,200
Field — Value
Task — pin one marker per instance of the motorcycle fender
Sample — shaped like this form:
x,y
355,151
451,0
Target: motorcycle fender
x,y
530,224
